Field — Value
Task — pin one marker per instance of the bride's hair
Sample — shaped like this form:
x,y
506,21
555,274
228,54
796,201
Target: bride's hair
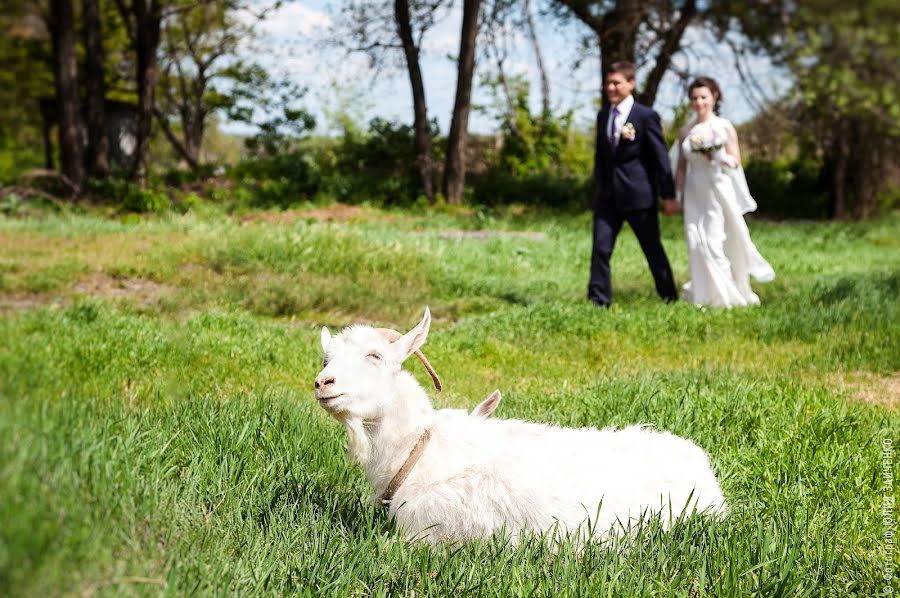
x,y
710,84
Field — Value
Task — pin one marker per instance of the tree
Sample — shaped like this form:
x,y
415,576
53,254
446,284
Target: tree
x,y
26,76
847,96
382,32
455,165
95,88
143,21
197,44
270,105
62,29
538,56
631,29
424,158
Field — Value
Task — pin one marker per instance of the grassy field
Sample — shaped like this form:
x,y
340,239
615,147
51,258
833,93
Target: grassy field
x,y
159,434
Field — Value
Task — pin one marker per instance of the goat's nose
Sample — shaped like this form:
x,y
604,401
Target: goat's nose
x,y
324,382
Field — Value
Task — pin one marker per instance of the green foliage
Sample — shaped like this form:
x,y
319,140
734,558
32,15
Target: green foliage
x,y
14,159
889,200
842,59
130,197
277,180
548,189
25,77
788,188
268,104
680,118
377,165
543,159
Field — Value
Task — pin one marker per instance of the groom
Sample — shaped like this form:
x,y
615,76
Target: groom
x,y
631,170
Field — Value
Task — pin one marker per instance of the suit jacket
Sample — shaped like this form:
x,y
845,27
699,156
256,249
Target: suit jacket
x,y
633,174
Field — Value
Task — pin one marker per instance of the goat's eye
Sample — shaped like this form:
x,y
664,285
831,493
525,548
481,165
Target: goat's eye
x,y
374,356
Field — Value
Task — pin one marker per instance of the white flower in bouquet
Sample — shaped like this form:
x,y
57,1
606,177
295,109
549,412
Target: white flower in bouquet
x,y
706,139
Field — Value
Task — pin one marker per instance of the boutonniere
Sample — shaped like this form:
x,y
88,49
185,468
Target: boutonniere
x,y
628,131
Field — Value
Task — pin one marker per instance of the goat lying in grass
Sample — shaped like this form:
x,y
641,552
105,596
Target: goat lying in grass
x,y
447,475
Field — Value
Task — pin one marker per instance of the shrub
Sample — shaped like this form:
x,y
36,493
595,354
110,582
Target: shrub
x,y
546,188
128,196
278,180
378,165
788,188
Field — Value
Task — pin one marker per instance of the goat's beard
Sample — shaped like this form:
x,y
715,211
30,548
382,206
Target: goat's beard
x,y
359,447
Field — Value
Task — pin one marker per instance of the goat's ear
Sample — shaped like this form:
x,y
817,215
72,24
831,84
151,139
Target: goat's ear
x,y
488,405
410,342
326,338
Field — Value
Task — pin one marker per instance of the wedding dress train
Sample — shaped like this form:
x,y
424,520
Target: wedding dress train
x,y
721,256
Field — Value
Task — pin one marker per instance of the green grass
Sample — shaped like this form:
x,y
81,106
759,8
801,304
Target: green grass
x,y
165,440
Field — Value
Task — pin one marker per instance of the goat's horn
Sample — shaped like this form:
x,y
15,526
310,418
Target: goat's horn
x,y
393,335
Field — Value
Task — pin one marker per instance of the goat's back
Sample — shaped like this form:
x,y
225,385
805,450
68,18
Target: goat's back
x,y
478,476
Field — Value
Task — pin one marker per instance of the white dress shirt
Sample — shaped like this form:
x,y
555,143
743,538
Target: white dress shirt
x,y
624,110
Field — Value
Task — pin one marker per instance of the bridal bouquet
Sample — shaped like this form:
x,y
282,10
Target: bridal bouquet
x,y
710,140
706,139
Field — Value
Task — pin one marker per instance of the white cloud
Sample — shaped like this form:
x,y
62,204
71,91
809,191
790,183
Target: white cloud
x,y
295,19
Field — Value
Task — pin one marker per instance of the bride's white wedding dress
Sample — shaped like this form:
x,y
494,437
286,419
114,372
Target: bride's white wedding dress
x,y
721,256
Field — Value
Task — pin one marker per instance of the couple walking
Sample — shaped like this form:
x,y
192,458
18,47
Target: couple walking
x,y
632,168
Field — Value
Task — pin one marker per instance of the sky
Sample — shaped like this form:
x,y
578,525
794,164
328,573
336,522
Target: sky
x,y
296,42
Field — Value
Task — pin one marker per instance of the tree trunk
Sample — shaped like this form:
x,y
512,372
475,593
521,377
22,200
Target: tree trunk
x,y
455,167
66,75
193,140
866,172
539,59
839,159
510,100
424,159
148,19
98,141
618,36
48,144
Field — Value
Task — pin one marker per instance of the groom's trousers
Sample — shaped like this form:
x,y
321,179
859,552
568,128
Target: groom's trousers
x,y
645,224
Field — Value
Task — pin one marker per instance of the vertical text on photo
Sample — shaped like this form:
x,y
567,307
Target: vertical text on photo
x,y
887,514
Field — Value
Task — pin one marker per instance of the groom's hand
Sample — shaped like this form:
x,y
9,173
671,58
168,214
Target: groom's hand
x,y
670,207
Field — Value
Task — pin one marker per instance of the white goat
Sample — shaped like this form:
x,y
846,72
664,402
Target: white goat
x,y
446,475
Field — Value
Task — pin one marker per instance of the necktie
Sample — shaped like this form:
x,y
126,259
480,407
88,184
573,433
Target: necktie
x,y
612,126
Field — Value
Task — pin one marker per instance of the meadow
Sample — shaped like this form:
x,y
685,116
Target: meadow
x,y
160,434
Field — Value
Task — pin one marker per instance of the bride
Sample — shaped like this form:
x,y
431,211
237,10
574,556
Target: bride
x,y
715,197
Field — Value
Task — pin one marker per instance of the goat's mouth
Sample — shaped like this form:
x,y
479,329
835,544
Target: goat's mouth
x,y
327,400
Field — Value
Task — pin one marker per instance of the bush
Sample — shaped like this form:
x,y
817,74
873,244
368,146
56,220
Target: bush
x,y
128,196
179,177
889,200
543,160
541,188
788,188
377,166
279,180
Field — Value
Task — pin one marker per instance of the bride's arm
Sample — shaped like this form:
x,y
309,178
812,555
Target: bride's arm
x,y
732,148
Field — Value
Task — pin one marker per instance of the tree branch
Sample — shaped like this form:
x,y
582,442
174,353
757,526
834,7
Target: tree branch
x,y
670,46
170,135
580,10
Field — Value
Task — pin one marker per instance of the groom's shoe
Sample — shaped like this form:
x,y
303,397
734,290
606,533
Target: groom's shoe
x,y
600,304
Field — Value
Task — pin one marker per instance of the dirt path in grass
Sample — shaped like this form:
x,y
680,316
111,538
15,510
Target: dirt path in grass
x,y
870,388
339,212
138,291
334,213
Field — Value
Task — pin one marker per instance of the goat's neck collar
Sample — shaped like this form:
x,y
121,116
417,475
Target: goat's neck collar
x,y
406,468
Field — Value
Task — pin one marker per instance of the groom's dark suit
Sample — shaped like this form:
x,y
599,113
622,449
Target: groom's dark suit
x,y
630,176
